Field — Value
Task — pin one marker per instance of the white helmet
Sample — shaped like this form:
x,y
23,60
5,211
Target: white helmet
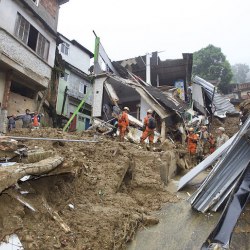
x,y
150,111
221,129
126,108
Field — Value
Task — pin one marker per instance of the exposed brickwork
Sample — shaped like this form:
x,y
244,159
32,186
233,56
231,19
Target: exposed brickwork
x,y
51,6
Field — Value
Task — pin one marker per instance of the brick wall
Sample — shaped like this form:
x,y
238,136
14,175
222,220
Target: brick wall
x,y
51,6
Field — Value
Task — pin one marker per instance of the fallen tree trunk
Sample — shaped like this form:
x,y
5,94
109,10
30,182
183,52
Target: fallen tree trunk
x,y
10,175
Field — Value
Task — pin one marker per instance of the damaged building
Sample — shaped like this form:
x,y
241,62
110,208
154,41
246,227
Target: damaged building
x,y
124,84
74,84
28,32
159,73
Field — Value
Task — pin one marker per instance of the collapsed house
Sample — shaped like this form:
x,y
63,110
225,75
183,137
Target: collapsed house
x,y
117,86
208,101
150,68
27,52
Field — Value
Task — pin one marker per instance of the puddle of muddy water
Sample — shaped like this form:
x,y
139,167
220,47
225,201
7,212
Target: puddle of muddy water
x,y
181,228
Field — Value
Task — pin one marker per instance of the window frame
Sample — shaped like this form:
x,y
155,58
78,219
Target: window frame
x,y
22,32
83,88
65,47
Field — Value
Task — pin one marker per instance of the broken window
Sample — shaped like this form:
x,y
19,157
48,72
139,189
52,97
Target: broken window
x,y
31,37
65,48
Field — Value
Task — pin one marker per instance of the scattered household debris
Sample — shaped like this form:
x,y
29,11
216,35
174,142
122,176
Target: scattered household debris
x,y
207,162
221,180
218,105
11,242
10,175
222,233
94,179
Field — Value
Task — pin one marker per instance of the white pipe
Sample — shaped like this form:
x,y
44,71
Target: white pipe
x,y
148,73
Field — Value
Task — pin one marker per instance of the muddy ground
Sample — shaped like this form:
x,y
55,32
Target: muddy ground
x,y
101,207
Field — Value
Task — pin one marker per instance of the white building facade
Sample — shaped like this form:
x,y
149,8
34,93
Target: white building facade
x,y
75,84
28,32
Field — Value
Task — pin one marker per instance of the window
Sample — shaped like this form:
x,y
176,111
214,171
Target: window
x,y
31,37
65,48
36,2
65,76
42,46
82,88
22,28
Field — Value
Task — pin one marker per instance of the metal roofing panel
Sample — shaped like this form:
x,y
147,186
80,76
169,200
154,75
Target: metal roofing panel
x,y
234,161
204,164
222,105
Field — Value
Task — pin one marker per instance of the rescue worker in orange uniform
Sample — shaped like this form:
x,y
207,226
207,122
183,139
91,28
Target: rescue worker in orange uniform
x,y
192,140
123,123
148,128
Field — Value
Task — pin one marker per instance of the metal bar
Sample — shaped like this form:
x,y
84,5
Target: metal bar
x,y
50,139
212,116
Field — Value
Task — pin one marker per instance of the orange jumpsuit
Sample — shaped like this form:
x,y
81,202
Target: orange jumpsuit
x,y
148,133
35,121
192,143
123,123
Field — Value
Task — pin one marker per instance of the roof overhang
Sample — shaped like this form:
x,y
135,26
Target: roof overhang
x,y
60,2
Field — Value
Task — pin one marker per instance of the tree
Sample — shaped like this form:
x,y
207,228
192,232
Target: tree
x,y
240,71
211,64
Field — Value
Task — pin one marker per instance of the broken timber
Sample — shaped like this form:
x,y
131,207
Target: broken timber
x,y
10,175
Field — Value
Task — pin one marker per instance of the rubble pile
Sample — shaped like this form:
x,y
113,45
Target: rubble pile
x,y
96,199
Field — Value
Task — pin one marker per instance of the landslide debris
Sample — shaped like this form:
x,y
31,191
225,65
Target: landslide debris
x,y
102,193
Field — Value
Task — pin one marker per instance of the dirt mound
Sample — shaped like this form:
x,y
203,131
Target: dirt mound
x,y
231,125
108,193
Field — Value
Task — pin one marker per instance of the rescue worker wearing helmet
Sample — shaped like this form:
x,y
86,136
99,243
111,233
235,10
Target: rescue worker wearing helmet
x,y
123,123
148,128
221,138
192,140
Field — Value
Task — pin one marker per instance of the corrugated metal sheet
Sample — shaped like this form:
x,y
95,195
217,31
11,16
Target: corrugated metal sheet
x,y
221,104
223,176
205,164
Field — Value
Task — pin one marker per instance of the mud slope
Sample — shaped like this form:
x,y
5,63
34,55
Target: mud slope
x,y
108,193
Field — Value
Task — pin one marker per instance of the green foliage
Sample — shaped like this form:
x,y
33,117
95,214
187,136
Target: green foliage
x,y
211,64
240,71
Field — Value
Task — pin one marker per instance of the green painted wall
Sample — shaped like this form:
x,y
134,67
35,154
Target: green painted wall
x,y
61,88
